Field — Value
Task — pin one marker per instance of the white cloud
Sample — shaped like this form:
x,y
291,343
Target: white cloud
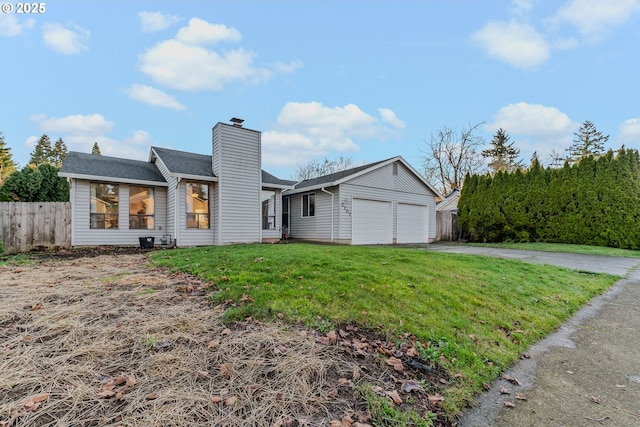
x,y
155,97
80,132
68,40
630,131
184,63
156,21
594,18
281,67
534,127
77,124
389,116
517,44
201,32
307,130
10,27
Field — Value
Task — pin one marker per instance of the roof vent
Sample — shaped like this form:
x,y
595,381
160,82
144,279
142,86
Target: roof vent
x,y
237,122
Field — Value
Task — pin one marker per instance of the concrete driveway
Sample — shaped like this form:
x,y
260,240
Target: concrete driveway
x,y
585,374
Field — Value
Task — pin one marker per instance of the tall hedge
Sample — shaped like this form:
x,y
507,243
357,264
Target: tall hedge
x,y
592,202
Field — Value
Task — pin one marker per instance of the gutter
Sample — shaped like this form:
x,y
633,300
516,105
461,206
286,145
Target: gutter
x,y
175,208
332,210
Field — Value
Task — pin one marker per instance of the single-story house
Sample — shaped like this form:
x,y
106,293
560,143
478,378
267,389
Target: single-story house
x,y
198,199
449,202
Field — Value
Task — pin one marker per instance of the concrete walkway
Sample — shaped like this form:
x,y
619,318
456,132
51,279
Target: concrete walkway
x,y
585,374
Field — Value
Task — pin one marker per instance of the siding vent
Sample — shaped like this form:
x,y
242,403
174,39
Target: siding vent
x,y
237,122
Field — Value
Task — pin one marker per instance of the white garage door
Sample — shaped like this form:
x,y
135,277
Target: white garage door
x,y
371,222
412,224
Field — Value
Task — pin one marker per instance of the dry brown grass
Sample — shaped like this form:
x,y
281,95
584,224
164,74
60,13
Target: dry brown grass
x,y
70,329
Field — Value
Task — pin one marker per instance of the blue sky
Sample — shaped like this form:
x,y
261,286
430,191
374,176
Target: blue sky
x,y
364,79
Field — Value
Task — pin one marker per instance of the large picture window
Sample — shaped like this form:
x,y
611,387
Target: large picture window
x,y
104,205
197,205
309,204
141,208
268,210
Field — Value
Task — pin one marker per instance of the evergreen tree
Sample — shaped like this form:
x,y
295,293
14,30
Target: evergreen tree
x,y
58,153
41,153
589,142
7,165
96,149
35,184
503,155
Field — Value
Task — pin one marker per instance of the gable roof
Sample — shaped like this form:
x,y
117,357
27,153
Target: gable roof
x,y
104,168
184,164
338,178
267,178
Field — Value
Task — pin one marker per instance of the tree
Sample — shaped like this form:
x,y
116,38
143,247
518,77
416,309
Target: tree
x,y
7,165
315,168
41,153
557,158
96,149
503,155
589,142
58,153
35,184
450,156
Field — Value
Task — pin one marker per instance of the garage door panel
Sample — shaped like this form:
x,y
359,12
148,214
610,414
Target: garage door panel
x,y
412,224
371,222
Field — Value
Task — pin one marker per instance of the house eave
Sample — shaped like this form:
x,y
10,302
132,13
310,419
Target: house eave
x,y
113,179
194,177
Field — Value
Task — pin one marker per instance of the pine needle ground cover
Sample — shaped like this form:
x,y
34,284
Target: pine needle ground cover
x,y
472,316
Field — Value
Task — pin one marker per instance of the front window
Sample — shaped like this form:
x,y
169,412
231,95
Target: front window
x,y
141,208
104,205
309,205
268,210
197,205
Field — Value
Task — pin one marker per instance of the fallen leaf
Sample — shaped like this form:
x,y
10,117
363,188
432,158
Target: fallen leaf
x,y
106,393
231,401
486,386
394,396
411,385
131,380
411,352
252,389
225,370
216,399
396,363
335,423
332,337
511,379
32,403
509,404
246,298
595,399
505,390
280,350
202,375
521,396
151,396
347,421
225,332
435,399
213,344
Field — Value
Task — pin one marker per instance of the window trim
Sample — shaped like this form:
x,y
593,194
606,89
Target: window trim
x,y
266,218
197,215
94,216
148,219
308,208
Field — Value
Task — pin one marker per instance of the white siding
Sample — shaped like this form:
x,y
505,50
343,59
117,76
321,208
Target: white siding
x,y
316,227
383,178
236,163
193,236
83,235
171,198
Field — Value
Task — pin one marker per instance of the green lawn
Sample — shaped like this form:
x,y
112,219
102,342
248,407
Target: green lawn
x,y
480,313
562,247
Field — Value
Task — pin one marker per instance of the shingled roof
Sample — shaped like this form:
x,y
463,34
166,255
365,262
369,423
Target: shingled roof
x,y
104,168
185,163
333,177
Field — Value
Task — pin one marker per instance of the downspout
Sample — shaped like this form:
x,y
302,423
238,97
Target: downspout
x,y
175,209
332,210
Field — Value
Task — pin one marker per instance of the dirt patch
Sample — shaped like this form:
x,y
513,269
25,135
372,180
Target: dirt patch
x,y
97,337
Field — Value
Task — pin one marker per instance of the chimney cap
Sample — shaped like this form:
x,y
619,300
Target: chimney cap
x,y
236,121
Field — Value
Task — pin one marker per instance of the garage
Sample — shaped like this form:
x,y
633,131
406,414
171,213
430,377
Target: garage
x,y
372,222
412,224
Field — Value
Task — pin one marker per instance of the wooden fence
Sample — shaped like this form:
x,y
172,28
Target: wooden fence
x,y
446,225
33,225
